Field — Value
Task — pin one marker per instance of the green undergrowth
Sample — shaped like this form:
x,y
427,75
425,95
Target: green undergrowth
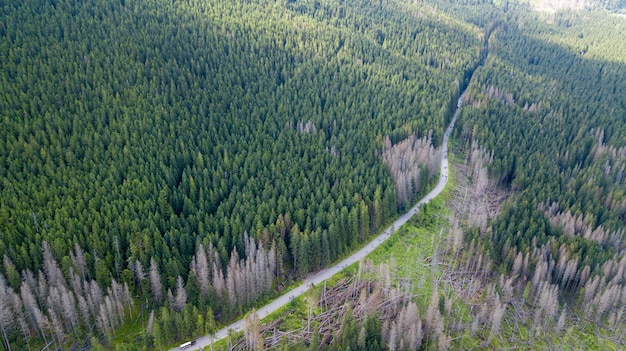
x,y
133,328
577,336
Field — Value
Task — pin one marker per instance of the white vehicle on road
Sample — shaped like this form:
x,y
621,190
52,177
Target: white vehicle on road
x,y
187,345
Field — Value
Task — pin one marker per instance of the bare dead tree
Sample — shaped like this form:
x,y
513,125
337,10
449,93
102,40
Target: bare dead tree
x,y
6,311
51,267
252,331
150,322
219,283
200,266
180,300
155,281
78,259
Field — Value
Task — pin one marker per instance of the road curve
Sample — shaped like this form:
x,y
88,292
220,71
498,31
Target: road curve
x,y
325,274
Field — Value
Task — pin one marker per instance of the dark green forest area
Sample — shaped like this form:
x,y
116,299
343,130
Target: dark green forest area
x,y
166,165
174,161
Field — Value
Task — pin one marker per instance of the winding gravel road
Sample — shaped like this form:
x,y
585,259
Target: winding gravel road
x,y
325,274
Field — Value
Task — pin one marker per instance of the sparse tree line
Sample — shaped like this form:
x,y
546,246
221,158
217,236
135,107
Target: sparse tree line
x,y
543,290
554,251
56,309
543,294
522,305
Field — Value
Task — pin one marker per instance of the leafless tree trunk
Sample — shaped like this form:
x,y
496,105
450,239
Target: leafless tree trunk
x,y
200,266
181,295
496,317
155,282
150,322
252,331
6,311
51,267
78,259
219,283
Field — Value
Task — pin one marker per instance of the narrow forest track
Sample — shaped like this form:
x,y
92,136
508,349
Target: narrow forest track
x,y
321,276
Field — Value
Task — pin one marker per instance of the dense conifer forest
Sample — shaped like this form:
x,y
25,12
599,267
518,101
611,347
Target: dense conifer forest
x,y
167,165
174,161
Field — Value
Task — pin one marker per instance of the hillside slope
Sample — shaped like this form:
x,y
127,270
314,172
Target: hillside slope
x,y
157,153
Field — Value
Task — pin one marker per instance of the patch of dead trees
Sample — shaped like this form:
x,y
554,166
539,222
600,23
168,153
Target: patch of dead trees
x,y
369,293
477,198
579,225
52,307
412,162
244,280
